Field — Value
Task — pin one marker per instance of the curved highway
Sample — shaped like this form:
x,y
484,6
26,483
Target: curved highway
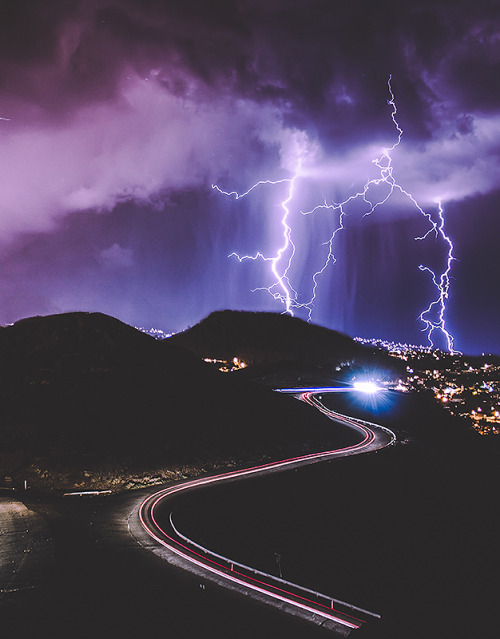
x,y
324,610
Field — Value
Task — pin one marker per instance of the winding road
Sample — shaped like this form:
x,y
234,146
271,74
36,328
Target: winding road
x,y
336,615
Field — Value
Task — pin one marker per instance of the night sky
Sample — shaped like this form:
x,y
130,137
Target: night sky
x,y
118,116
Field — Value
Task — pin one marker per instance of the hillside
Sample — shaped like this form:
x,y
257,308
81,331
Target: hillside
x,y
88,401
280,348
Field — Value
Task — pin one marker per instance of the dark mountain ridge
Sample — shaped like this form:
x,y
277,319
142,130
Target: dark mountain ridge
x,y
270,343
82,394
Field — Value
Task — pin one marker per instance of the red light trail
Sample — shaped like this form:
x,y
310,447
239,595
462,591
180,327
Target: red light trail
x,y
373,437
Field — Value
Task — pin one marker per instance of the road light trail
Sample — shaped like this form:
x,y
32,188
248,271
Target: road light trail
x,y
330,612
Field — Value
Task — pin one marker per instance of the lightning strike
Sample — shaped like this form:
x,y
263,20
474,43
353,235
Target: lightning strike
x,y
433,317
442,284
238,196
282,289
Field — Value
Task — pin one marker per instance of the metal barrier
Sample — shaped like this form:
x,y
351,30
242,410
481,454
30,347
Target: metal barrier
x,y
299,590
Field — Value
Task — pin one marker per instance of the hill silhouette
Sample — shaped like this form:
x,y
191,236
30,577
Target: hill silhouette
x,y
84,396
280,348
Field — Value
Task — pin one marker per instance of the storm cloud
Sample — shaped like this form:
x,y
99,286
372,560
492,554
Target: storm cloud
x,y
124,112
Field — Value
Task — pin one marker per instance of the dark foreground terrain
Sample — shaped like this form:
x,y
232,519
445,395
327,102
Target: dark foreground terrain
x,y
410,532
103,584
87,402
87,571
281,350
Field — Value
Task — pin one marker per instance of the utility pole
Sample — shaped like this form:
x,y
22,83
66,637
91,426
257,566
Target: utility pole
x,y
278,561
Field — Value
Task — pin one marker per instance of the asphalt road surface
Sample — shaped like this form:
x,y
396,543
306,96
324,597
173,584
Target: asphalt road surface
x,y
156,516
86,566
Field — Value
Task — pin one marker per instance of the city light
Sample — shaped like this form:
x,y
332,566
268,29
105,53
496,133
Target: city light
x,y
468,391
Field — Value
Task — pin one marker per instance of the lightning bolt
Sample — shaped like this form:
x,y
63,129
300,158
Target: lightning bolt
x,y
281,290
433,317
442,284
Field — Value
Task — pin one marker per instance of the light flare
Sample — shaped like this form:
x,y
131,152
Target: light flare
x,y
366,387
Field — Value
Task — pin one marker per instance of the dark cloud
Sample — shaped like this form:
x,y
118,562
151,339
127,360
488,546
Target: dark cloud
x,y
125,111
29,30
300,56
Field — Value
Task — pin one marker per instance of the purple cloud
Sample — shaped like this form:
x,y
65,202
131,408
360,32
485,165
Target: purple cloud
x,y
120,114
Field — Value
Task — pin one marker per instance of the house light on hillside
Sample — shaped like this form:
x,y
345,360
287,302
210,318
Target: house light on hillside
x,y
227,367
238,364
